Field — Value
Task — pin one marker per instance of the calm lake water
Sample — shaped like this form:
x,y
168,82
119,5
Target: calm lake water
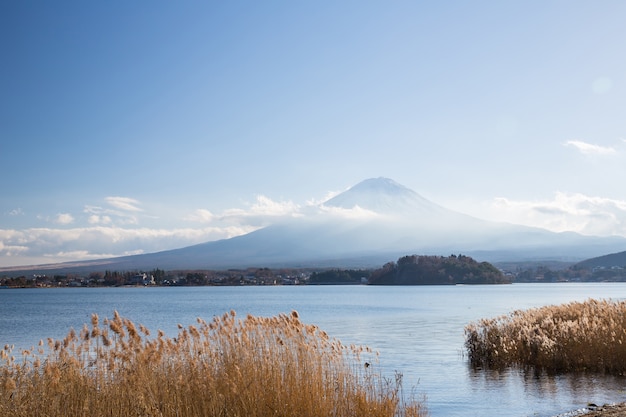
x,y
417,330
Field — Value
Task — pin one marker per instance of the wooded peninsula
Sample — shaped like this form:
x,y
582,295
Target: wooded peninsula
x,y
437,270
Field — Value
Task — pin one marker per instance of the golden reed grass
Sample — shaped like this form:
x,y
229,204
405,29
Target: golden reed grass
x,y
257,366
578,336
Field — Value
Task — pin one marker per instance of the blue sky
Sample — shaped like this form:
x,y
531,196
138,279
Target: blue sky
x,y
130,127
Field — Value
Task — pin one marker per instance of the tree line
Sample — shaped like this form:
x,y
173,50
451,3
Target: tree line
x,y
407,270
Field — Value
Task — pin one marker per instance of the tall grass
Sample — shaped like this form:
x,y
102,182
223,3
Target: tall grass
x,y
578,336
257,366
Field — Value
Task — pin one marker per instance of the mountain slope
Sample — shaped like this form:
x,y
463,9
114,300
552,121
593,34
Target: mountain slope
x,y
606,261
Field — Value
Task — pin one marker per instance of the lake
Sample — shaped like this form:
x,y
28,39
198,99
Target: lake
x,y
417,330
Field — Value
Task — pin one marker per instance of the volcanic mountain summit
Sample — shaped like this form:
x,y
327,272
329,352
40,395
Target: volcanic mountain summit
x,y
383,195
373,222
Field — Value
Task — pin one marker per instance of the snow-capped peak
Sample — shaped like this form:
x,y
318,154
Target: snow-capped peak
x,y
383,196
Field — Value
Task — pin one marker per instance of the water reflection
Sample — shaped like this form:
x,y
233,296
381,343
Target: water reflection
x,y
541,387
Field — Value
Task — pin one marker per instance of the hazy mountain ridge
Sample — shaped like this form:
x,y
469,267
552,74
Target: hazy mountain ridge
x,y
606,261
397,222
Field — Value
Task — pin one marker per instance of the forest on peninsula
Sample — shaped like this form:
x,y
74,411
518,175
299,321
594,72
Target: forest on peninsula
x,y
437,270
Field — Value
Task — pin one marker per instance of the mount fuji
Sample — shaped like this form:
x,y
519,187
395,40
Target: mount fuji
x,y
371,223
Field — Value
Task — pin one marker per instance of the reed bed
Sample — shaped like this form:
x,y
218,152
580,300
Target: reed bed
x,y
276,366
578,336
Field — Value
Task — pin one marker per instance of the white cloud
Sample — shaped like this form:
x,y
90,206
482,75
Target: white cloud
x,y
355,212
99,219
589,148
328,196
11,250
109,231
263,211
37,245
200,216
76,255
264,206
124,203
64,218
268,207
566,212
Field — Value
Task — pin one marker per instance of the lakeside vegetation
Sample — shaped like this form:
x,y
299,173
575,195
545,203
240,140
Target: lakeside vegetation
x,y
408,270
577,336
257,367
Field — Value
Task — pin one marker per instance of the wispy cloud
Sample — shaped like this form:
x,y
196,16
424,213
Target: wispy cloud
x,y
120,210
200,216
589,148
261,212
124,203
262,208
112,230
16,212
566,212
266,211
11,249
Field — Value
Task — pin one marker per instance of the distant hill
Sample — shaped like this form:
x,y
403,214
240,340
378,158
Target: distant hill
x,y
365,226
606,261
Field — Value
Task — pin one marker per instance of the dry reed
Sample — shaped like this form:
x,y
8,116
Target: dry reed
x,y
257,366
578,336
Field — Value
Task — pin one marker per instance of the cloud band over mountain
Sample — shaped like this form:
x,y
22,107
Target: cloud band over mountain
x,y
125,226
